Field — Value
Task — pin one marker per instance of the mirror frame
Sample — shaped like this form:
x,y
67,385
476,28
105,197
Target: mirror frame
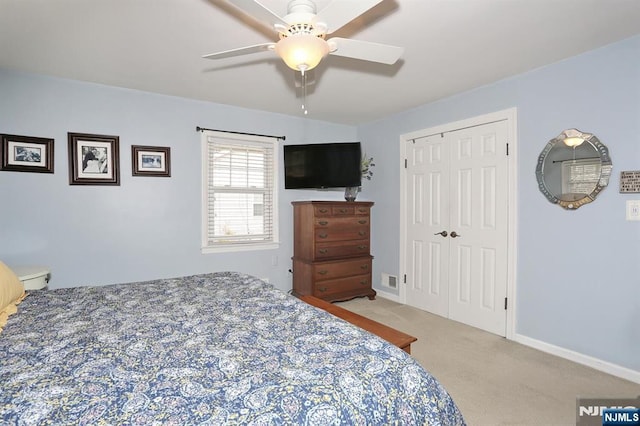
x,y
605,168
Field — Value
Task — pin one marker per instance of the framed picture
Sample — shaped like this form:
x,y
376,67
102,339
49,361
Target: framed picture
x,y
93,159
26,154
151,160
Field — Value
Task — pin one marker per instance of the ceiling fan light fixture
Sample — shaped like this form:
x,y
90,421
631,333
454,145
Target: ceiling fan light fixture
x,y
302,52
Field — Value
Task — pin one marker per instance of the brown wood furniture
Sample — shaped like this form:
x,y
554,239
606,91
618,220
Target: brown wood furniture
x,y
391,335
331,255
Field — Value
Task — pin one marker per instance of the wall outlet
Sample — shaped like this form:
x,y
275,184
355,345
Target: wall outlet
x,y
633,209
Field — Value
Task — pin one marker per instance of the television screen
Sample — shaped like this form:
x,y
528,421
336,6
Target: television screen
x,y
322,165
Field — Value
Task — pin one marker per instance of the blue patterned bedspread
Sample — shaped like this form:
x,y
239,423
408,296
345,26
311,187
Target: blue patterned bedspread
x,y
214,349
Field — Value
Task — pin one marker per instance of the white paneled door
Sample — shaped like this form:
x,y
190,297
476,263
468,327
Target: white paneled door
x,y
457,234
428,224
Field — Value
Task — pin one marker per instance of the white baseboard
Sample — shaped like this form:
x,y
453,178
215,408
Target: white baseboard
x,y
387,295
595,363
598,364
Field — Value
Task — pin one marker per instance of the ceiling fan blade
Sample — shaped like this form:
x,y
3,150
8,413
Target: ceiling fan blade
x,y
340,12
364,50
240,51
258,11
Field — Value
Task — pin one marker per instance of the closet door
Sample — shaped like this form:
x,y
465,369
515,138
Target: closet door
x,y
457,242
428,224
478,226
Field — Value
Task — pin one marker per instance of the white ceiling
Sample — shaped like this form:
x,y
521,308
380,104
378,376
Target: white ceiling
x,y
450,46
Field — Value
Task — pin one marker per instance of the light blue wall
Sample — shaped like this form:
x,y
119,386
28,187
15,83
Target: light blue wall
x,y
578,275
147,227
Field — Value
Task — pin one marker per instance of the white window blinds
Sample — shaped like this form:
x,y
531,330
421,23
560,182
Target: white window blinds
x,y
239,190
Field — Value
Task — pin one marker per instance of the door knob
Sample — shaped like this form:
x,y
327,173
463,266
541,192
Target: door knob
x,y
454,234
443,233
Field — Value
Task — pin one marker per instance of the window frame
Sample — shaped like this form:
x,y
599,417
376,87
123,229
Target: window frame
x,y
240,140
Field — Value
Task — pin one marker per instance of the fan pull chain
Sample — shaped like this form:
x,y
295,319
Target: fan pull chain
x,y
304,92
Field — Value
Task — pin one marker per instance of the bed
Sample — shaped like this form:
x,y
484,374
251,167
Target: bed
x,y
212,349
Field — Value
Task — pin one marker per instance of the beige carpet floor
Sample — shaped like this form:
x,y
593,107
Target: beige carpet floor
x,y
493,380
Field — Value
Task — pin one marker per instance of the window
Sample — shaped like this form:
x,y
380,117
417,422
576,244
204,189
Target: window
x,y
239,192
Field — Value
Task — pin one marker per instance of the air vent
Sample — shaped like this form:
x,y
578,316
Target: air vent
x,y
390,281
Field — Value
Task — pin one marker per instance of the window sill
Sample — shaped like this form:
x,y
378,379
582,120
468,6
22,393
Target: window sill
x,y
230,248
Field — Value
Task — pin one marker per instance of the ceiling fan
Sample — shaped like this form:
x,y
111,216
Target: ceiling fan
x,y
303,32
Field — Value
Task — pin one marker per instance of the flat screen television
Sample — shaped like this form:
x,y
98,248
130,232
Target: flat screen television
x,y
322,165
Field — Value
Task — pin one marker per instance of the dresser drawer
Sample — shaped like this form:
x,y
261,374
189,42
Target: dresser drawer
x,y
332,250
355,284
341,222
322,211
362,210
333,270
339,210
343,210
341,234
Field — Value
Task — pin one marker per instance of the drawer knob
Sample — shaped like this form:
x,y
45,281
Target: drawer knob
x,y
323,272
362,247
323,210
323,222
362,221
361,233
323,251
364,282
343,210
323,235
322,289
365,267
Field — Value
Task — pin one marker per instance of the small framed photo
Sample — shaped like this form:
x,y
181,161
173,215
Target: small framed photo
x,y
26,154
151,160
93,159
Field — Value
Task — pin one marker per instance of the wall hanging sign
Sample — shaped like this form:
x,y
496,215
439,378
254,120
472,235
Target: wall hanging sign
x,y
630,181
93,159
151,160
26,154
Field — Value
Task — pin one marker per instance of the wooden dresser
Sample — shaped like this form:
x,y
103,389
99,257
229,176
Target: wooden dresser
x,y
331,254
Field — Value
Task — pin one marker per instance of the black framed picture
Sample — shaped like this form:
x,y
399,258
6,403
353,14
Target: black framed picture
x,y
93,159
26,154
151,160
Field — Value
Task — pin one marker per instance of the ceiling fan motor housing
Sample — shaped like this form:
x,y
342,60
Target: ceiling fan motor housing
x,y
301,29
300,17
301,6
